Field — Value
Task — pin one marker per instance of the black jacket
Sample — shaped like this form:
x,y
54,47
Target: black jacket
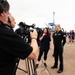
x,y
12,46
59,37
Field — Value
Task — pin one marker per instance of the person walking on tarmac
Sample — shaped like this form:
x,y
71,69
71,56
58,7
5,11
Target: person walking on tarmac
x,y
58,38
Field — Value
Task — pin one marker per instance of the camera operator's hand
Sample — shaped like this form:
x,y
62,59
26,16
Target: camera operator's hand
x,y
34,44
34,34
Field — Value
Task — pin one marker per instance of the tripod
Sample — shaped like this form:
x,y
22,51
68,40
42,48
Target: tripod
x,y
30,65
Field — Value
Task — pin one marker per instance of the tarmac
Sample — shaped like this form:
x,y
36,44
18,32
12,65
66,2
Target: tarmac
x,y
69,63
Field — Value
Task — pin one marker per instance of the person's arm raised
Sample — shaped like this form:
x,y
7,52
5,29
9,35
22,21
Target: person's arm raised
x,y
34,45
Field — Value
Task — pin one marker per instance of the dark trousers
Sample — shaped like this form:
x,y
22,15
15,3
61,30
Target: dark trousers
x,y
41,53
58,53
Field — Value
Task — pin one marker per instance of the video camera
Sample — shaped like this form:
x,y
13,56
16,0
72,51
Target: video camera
x,y
24,31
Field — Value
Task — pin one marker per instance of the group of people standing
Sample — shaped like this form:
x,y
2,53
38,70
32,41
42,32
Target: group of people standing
x,y
71,37
12,46
59,40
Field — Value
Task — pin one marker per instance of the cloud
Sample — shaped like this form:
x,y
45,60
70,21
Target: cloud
x,y
41,12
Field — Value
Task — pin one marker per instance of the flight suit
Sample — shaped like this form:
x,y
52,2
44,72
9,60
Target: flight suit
x,y
59,41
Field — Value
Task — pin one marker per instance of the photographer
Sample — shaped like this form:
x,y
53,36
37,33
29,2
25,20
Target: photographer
x,y
13,46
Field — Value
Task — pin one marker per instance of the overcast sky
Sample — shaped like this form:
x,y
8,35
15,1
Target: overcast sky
x,y
40,12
